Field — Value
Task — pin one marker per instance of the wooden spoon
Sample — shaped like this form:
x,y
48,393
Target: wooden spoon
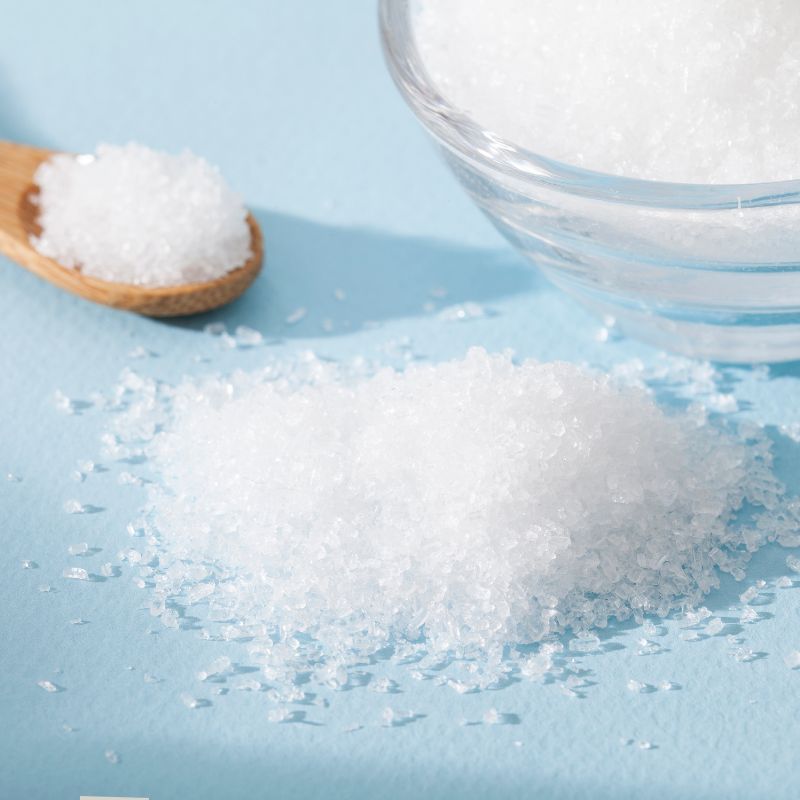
x,y
18,222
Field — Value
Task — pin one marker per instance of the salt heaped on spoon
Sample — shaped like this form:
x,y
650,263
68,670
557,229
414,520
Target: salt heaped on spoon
x,y
132,215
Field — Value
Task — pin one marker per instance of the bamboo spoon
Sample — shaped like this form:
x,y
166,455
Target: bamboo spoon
x,y
18,215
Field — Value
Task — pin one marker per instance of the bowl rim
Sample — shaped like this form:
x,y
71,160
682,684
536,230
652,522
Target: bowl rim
x,y
460,133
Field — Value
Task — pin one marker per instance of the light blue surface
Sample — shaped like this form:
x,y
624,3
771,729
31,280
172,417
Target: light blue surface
x,y
291,100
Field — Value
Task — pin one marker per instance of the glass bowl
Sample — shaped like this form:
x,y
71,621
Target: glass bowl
x,y
710,271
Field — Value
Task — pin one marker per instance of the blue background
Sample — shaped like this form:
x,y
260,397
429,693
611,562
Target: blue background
x,y
292,101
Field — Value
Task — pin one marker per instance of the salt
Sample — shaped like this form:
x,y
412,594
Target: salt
x,y
683,91
134,215
468,480
48,686
76,574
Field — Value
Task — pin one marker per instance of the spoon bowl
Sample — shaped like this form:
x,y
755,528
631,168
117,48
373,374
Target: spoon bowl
x,y
18,223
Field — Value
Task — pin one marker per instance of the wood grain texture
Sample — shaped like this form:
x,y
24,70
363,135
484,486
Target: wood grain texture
x,y
18,215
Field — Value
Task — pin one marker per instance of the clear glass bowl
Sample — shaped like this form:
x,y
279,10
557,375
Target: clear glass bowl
x,y
711,271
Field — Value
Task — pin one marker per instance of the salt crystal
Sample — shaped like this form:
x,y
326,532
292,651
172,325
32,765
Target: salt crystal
x,y
636,686
12,478
784,582
112,757
749,614
645,745
108,570
793,562
80,549
491,717
134,215
339,294
63,403
214,328
249,685
28,564
792,660
296,316
76,574
279,714
247,337
74,507
744,654
749,594
48,686
170,618
189,700
462,312
668,686
715,626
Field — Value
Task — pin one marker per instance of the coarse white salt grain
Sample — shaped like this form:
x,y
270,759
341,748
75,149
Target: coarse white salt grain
x,y
112,757
74,507
76,574
80,549
697,92
454,508
134,215
792,660
48,686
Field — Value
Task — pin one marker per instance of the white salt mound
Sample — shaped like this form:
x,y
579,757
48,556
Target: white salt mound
x,y
467,504
134,215
678,90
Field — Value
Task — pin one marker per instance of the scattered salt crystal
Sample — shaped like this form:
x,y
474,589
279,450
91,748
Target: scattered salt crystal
x,y
715,626
63,403
744,654
77,476
462,312
74,507
112,757
45,588
139,352
189,700
67,728
645,745
279,714
723,403
636,686
792,660
749,614
247,337
150,678
352,728
28,564
517,743
12,478
134,215
248,685
170,618
492,717
793,562
784,582
108,570
48,686
76,573
748,595
80,549
199,591
384,685
79,621
296,316
668,686
215,328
